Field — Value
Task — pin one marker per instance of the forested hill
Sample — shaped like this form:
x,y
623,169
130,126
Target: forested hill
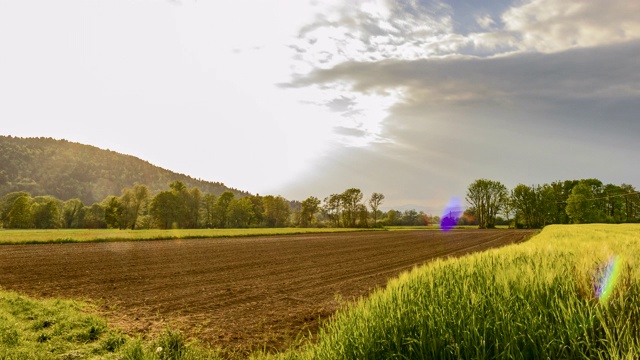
x,y
67,170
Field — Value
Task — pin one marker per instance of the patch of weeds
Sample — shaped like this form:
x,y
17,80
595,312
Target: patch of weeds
x,y
43,324
9,337
134,351
171,345
89,332
113,342
72,355
43,338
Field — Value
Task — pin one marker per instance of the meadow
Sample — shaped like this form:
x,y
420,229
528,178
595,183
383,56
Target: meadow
x,y
571,292
57,236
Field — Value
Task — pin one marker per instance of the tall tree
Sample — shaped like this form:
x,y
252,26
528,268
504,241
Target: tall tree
x,y
135,202
308,208
580,204
351,199
393,217
257,215
208,210
374,204
222,208
114,213
276,211
613,203
410,217
533,204
20,213
194,200
487,197
166,209
332,207
631,202
73,213
94,217
7,203
45,212
363,216
239,212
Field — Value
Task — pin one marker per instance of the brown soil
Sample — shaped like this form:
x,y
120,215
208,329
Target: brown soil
x,y
240,293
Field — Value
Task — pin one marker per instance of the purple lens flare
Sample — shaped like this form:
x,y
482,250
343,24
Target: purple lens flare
x,y
451,214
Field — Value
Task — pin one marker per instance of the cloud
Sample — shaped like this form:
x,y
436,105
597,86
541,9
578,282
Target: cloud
x,y
602,72
341,104
549,25
374,31
520,117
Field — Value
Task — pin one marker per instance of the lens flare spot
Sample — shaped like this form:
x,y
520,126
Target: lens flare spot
x,y
608,279
451,214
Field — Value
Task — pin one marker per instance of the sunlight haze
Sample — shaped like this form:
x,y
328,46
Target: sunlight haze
x,y
412,99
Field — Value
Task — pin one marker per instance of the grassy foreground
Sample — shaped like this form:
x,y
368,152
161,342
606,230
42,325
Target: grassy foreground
x,y
12,237
572,292
64,329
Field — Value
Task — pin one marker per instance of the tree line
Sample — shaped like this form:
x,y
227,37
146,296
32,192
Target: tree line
x,y
561,202
180,207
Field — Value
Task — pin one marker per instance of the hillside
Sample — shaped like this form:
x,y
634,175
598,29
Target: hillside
x,y
66,170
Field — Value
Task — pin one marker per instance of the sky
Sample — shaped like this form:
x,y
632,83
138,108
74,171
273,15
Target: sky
x,y
412,99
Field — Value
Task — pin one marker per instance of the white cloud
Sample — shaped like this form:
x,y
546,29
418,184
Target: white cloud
x,y
549,25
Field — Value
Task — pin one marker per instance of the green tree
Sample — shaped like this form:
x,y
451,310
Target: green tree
x,y
94,217
135,202
46,213
276,211
73,214
222,208
351,201
166,209
257,213
177,208
393,217
580,205
208,210
409,217
20,213
308,209
193,203
363,215
533,204
508,209
631,203
332,208
239,212
114,213
374,204
613,203
487,197
7,203
181,210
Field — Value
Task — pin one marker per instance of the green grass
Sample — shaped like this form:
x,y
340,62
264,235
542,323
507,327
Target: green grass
x,y
535,300
64,329
11,237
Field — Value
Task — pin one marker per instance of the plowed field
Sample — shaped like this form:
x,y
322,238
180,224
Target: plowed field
x,y
239,293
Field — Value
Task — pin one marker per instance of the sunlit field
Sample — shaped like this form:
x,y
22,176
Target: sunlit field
x,y
83,235
572,292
